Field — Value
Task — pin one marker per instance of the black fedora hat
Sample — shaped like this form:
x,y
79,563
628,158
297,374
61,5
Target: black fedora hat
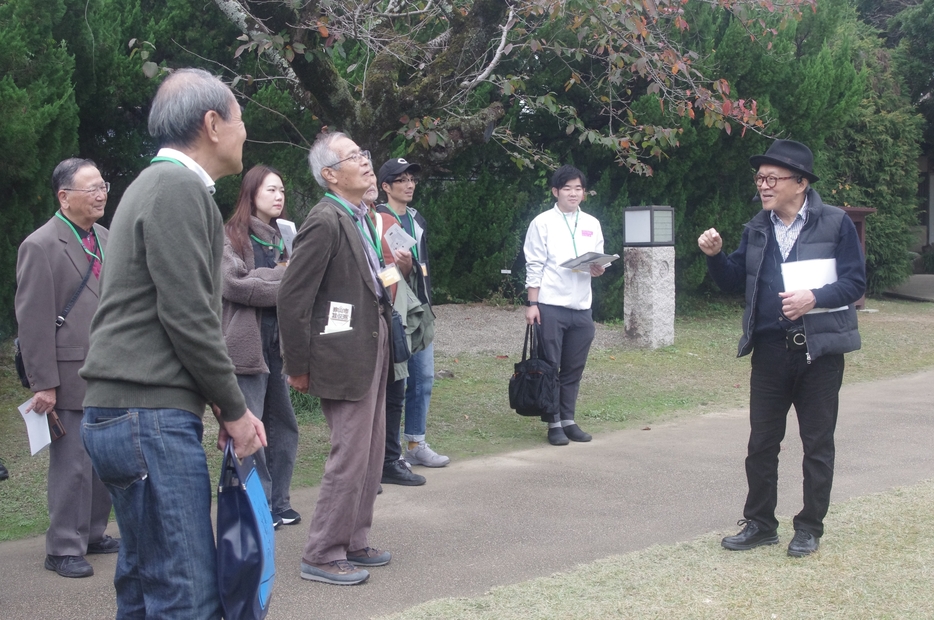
x,y
788,154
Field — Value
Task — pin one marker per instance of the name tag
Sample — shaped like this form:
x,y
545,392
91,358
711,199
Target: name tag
x,y
389,276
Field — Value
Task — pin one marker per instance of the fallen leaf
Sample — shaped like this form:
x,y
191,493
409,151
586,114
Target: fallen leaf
x,y
647,428
612,358
736,385
502,357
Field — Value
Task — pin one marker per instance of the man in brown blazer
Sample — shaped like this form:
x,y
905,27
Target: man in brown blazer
x,y
334,321
51,264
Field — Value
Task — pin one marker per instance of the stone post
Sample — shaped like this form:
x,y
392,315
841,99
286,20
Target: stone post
x,y
649,303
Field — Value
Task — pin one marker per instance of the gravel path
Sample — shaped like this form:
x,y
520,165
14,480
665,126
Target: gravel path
x,y
498,330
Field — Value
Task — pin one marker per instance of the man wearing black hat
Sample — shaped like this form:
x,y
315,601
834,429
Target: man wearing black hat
x,y
797,333
397,180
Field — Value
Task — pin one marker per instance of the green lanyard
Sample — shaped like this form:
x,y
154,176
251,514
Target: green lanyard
x,y
164,158
279,246
573,232
412,224
369,237
80,241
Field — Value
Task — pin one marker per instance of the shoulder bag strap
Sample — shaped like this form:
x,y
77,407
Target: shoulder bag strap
x,y
60,319
525,345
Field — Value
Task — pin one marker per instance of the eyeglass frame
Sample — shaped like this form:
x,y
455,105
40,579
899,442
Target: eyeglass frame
x,y
410,178
356,157
765,179
105,188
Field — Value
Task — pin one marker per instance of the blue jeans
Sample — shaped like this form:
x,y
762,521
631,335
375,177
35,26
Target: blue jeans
x,y
156,471
418,393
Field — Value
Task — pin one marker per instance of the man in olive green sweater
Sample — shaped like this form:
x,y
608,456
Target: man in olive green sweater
x,y
157,356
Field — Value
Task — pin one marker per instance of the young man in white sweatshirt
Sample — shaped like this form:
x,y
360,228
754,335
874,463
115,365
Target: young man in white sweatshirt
x,y
560,299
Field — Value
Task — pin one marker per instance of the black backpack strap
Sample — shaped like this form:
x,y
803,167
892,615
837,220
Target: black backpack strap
x,y
60,319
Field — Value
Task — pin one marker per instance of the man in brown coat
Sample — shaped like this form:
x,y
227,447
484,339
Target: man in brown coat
x,y
334,320
51,265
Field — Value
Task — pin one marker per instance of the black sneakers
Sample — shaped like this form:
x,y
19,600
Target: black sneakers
x,y
107,544
556,436
4,474
750,537
574,433
288,517
73,566
398,472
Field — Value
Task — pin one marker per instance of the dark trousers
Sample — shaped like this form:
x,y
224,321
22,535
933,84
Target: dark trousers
x,y
780,379
566,338
395,402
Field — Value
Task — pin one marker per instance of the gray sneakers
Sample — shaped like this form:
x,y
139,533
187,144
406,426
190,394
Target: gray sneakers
x,y
424,455
369,556
338,573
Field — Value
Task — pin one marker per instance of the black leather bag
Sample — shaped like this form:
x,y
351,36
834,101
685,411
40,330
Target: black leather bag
x,y
533,388
246,567
400,344
18,362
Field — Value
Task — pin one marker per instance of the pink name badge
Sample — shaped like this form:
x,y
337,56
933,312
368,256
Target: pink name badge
x,y
587,233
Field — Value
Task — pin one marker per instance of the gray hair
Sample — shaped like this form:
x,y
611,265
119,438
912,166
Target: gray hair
x,y
64,173
322,156
181,102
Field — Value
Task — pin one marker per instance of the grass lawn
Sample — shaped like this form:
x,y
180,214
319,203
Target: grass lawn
x,y
622,387
878,563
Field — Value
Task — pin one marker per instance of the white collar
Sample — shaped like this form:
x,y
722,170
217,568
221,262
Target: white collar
x,y
189,163
567,215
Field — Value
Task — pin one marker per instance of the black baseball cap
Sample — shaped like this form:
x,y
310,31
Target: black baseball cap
x,y
393,169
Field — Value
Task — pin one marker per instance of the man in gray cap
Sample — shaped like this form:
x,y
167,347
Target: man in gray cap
x,y
797,333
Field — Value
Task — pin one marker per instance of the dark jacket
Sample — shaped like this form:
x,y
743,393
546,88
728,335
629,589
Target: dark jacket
x,y
328,264
828,233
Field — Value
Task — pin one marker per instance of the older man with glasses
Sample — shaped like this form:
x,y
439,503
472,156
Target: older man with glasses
x,y
797,334
59,267
334,318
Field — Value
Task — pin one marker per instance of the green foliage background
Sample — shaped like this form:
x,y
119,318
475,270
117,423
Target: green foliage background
x,y
848,79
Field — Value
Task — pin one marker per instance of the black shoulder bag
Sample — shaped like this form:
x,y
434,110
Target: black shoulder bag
x,y
533,388
59,321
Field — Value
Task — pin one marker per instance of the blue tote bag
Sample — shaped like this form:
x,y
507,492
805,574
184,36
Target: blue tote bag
x,y
246,565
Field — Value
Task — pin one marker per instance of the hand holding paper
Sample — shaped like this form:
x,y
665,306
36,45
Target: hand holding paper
x,y
796,304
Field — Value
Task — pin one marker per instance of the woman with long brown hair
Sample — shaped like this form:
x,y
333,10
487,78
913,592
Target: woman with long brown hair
x,y
254,262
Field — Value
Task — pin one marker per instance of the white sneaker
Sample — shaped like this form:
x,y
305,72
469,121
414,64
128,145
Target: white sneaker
x,y
424,455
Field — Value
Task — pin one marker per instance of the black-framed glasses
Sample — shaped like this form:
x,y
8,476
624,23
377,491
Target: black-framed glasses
x,y
770,180
357,157
411,180
104,187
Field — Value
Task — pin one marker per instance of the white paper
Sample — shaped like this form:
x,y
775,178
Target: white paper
x,y
809,275
287,230
398,239
37,427
339,316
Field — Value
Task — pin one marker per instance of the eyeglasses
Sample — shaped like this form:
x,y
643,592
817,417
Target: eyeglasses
x,y
105,188
411,180
769,181
357,158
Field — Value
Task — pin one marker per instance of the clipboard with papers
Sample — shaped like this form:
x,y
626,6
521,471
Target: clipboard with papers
x,y
811,274
584,261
